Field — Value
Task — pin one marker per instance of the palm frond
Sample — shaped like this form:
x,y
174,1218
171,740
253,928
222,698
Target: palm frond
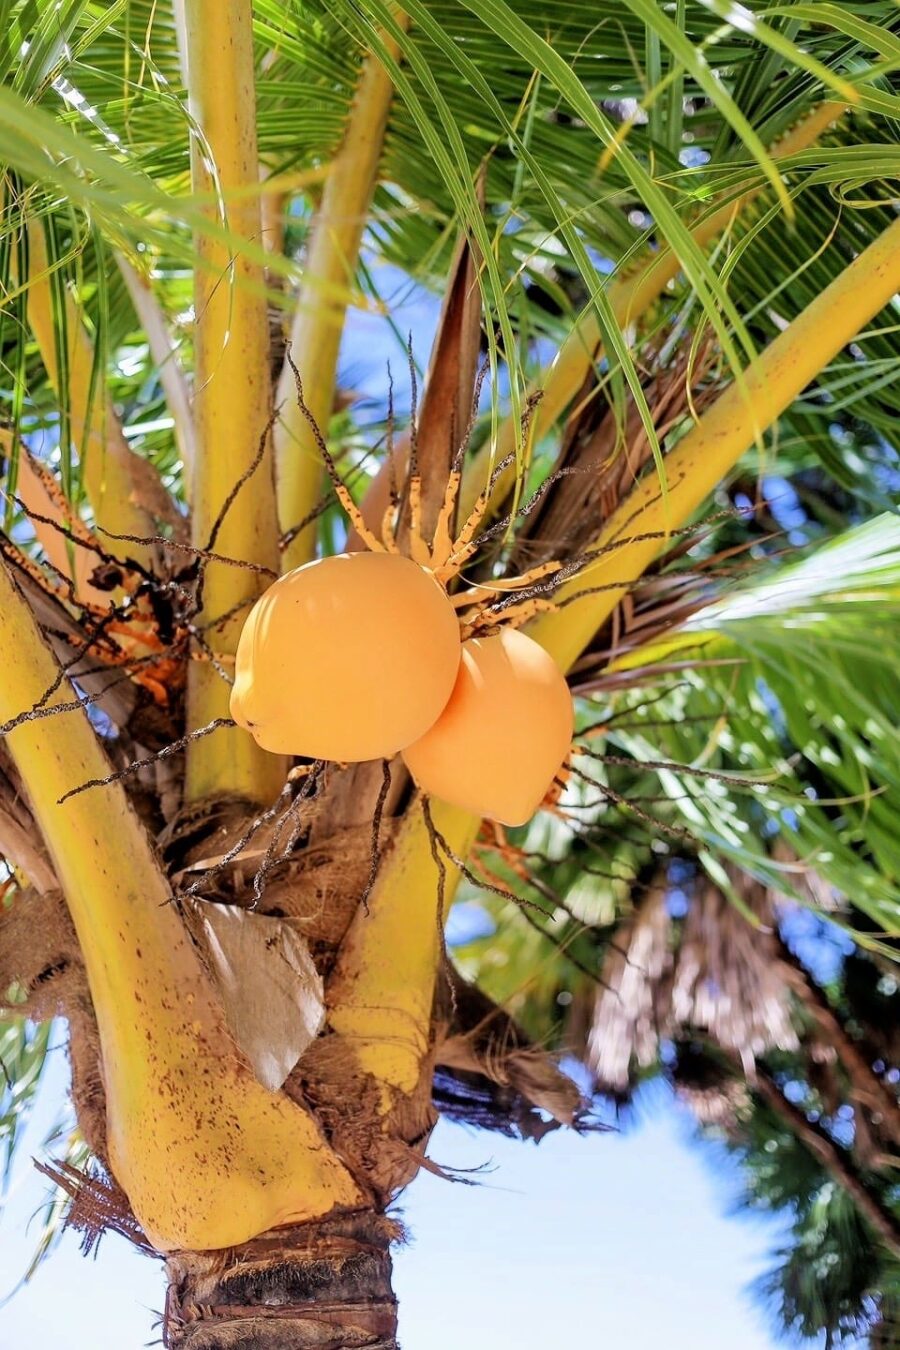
x,y
23,1054
797,676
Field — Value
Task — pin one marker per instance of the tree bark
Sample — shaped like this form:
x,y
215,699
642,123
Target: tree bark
x,y
325,1285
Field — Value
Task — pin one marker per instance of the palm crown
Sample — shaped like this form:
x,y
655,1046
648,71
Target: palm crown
x,y
690,209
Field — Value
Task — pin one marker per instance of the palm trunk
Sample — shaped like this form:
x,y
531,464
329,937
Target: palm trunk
x,y
325,1285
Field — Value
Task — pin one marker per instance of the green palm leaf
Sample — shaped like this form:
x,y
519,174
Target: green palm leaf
x,y
806,692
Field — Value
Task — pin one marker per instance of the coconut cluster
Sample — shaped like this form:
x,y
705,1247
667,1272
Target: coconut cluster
x,y
359,656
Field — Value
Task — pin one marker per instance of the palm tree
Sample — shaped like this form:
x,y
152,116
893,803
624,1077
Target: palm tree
x,y
249,948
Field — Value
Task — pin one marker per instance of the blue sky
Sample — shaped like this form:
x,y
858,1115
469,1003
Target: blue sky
x,y
618,1238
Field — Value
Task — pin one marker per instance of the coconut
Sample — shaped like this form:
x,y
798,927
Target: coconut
x,y
504,734
347,658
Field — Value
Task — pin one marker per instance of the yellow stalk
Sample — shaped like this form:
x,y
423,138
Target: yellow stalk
x,y
381,991
274,200
206,1155
630,296
123,490
233,392
705,455
274,205
322,305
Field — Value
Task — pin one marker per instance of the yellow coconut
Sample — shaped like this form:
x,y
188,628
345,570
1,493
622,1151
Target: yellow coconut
x,y
347,658
503,736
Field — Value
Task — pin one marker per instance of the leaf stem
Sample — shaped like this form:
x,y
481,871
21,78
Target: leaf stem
x,y
232,390
638,531
630,297
315,339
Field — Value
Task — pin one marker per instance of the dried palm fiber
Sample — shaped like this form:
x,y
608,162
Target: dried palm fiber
x,y
41,962
602,458
317,887
488,1072
320,887
347,658
720,975
38,951
636,976
728,979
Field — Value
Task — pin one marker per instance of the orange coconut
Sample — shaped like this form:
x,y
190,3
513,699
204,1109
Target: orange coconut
x,y
347,658
503,736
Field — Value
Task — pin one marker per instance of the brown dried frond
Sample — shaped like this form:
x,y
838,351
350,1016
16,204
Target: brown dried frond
x,y
98,1205
489,1074
721,978
606,458
447,405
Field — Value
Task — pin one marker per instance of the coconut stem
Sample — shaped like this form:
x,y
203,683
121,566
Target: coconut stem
x,y
330,269
232,386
